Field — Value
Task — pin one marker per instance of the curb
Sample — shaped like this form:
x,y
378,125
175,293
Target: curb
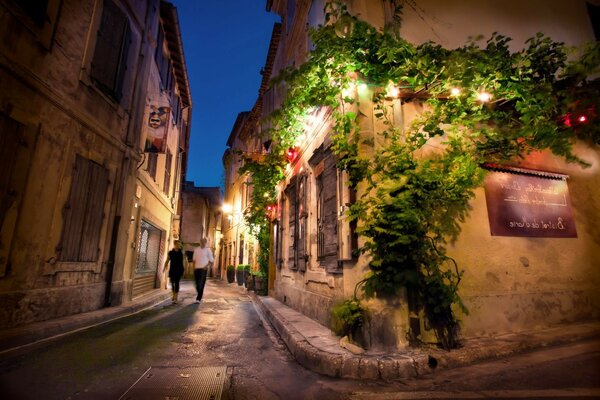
x,y
16,338
342,363
338,362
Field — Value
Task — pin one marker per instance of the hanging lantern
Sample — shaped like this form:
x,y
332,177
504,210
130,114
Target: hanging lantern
x,y
271,211
291,154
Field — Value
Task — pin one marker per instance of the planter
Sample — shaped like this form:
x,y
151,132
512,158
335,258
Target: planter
x,y
250,282
230,275
259,285
240,276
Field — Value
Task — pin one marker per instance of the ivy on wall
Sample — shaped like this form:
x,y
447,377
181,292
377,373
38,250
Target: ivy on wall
x,y
481,103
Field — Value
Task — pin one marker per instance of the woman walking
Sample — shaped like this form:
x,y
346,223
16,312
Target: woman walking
x,y
177,259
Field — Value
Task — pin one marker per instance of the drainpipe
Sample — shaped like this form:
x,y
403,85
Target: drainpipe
x,y
110,265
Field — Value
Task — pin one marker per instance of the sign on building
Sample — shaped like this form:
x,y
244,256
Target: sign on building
x,y
528,203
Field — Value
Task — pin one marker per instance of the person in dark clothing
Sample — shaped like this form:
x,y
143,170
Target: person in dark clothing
x,y
178,261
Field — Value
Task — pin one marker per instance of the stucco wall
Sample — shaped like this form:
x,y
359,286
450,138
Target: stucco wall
x,y
514,283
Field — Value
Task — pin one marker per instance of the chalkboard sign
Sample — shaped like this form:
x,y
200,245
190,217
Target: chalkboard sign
x,y
526,204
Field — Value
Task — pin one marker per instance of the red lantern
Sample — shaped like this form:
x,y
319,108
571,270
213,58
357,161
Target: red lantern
x,y
271,211
291,154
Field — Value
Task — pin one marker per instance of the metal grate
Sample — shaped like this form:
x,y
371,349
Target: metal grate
x,y
193,383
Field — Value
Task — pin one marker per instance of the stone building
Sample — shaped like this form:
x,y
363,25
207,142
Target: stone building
x,y
86,214
201,218
238,245
510,283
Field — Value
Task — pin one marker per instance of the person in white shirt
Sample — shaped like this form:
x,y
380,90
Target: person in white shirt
x,y
203,259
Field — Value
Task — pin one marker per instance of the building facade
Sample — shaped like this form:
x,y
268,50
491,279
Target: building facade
x,y
510,283
238,245
201,218
77,78
246,141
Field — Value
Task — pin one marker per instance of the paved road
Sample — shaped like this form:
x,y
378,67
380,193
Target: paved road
x,y
227,332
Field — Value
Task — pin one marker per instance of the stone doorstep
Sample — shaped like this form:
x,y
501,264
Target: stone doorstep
x,y
319,350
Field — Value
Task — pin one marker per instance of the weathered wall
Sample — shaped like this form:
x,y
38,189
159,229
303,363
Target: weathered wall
x,y
49,91
514,283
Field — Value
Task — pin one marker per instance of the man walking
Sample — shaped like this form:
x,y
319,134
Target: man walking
x,y
203,259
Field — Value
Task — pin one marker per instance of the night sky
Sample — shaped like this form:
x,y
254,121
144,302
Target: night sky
x,y
225,45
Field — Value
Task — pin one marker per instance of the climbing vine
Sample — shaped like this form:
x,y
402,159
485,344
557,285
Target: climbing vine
x,y
480,103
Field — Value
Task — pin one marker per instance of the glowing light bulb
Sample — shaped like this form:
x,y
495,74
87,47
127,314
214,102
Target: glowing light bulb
x,y
348,91
582,118
391,91
363,87
484,97
455,91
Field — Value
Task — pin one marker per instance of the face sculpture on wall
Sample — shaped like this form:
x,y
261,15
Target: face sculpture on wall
x,y
157,129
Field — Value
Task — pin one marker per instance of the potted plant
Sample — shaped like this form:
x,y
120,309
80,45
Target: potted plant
x,y
250,280
240,273
230,274
259,282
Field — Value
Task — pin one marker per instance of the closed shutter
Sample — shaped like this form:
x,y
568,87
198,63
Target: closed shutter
x,y
301,253
151,164
167,182
329,214
109,63
149,249
292,223
16,147
84,212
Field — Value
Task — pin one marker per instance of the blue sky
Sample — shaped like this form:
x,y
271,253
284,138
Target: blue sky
x,y
225,45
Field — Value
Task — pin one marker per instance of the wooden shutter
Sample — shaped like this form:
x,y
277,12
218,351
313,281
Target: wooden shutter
x,y
292,223
84,212
16,147
301,253
167,182
36,10
329,214
109,63
151,164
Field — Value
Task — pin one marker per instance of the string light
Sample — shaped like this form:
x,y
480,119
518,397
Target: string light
x,y
455,91
484,97
391,91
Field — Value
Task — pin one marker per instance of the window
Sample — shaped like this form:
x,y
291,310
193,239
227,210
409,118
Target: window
x,y
167,182
149,249
301,253
320,218
109,63
316,17
292,213
346,230
324,168
151,164
40,17
297,219
594,13
16,146
291,9
84,212
36,10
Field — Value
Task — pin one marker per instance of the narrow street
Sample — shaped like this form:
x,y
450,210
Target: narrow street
x,y
226,331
